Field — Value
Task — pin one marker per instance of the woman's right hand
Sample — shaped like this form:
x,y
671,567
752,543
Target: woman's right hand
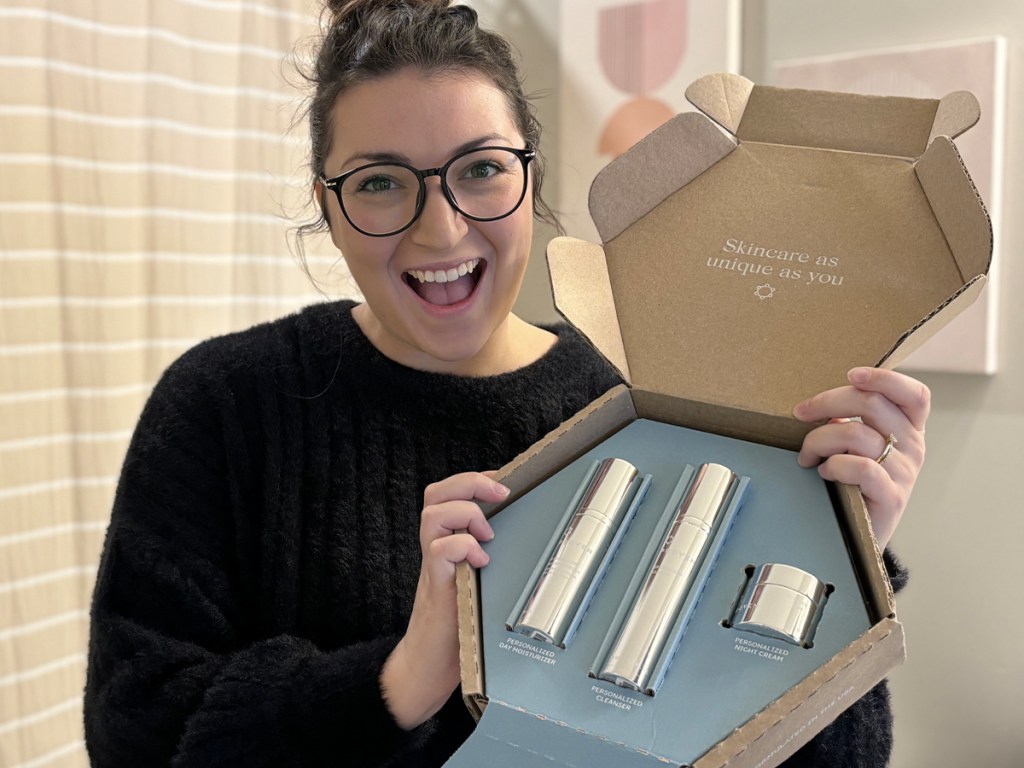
x,y
423,670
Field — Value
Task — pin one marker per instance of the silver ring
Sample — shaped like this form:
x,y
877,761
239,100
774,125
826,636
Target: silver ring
x,y
889,443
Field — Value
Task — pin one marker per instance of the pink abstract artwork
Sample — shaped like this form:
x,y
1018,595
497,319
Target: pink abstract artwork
x,y
625,68
969,344
640,46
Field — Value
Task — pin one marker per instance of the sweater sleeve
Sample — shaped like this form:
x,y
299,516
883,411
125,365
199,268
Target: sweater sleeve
x,y
178,673
894,568
861,737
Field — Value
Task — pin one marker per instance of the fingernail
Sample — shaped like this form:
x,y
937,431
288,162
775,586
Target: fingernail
x,y
798,409
501,490
859,375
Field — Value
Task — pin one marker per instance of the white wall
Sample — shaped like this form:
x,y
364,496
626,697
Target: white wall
x,y
959,699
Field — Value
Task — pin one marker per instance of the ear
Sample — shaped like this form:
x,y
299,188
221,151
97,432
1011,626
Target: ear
x,y
320,195
323,196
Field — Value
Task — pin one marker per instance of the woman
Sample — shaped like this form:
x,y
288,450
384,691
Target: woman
x,y
277,584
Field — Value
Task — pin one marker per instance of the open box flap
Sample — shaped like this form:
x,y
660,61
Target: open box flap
x,y
654,168
957,207
881,125
750,276
581,291
934,323
957,112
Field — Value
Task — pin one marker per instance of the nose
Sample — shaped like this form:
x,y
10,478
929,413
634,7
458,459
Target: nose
x,y
439,226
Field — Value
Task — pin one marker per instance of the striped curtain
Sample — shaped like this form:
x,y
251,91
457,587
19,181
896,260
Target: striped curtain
x,y
148,181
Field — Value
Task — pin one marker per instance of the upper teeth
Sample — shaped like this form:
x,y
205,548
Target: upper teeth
x,y
445,275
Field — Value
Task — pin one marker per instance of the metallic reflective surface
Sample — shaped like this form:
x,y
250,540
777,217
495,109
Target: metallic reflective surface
x,y
574,563
647,628
783,602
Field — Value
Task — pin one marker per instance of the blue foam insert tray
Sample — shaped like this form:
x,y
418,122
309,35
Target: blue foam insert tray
x,y
719,677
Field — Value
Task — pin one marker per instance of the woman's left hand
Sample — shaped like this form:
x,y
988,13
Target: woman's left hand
x,y
856,452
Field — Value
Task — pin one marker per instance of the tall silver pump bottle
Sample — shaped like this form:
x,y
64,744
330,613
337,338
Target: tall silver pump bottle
x,y
648,626
562,585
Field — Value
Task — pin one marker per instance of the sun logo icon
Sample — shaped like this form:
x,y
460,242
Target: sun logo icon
x,y
765,291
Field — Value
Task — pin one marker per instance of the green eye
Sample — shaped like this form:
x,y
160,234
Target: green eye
x,y
483,170
377,184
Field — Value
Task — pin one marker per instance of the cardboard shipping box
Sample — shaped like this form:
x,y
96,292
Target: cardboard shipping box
x,y
745,267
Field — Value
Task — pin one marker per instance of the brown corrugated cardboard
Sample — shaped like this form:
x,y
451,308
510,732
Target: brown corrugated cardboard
x,y
744,270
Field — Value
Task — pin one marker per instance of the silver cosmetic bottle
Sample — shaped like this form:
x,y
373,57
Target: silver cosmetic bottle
x,y
574,563
648,626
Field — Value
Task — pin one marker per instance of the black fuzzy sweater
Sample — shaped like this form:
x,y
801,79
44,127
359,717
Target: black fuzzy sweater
x,y
263,552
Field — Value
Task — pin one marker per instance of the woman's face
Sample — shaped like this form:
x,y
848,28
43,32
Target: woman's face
x,y
460,325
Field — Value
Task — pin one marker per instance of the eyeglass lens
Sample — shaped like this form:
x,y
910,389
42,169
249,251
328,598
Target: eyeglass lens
x,y
486,184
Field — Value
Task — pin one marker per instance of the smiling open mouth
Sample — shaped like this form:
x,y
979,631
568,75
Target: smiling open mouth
x,y
443,288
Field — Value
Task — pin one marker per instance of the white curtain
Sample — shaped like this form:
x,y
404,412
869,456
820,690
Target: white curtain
x,y
147,173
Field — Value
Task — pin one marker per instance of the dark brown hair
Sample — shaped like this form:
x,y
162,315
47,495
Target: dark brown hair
x,y
367,39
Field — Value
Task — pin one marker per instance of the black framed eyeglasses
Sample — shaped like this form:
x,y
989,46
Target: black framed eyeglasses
x,y
483,184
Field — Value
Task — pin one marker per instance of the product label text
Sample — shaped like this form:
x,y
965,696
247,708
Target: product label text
x,y
615,699
761,650
513,645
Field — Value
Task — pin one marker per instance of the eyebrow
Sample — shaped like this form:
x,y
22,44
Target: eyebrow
x,y
398,157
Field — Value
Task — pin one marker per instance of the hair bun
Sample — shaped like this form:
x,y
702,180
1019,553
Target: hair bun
x,y
339,11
